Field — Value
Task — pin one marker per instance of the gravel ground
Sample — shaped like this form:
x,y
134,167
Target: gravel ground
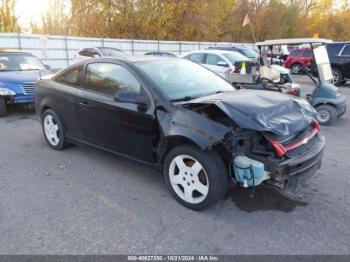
x,y
84,201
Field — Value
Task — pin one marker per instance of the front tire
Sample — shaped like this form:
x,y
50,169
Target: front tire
x,y
295,68
326,114
53,130
198,179
3,109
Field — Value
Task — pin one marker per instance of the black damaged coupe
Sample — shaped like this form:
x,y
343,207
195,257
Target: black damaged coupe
x,y
202,133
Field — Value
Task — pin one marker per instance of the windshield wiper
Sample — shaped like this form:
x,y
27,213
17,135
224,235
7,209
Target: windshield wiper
x,y
188,98
185,98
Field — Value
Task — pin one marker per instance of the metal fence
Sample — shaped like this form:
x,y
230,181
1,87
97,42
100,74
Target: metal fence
x,y
59,51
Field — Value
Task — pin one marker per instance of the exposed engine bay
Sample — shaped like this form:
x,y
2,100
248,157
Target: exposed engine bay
x,y
276,159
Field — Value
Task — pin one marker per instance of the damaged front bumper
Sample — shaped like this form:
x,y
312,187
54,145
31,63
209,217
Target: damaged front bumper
x,y
290,176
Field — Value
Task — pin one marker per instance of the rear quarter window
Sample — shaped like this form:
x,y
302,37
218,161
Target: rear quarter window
x,y
334,49
346,51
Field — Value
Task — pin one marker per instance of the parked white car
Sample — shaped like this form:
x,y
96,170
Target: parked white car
x,y
93,52
220,62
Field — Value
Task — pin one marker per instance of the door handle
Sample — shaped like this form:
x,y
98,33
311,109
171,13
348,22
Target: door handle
x,y
85,105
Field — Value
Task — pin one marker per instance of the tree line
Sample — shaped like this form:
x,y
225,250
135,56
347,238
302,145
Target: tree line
x,y
192,20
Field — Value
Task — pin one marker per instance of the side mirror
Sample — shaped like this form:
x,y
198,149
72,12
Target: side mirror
x,y
126,96
47,67
222,63
96,56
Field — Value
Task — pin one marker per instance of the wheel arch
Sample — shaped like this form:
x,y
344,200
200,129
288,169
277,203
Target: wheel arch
x,y
324,103
170,142
46,103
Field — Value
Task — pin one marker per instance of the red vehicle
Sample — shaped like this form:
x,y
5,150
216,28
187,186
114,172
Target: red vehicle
x,y
297,59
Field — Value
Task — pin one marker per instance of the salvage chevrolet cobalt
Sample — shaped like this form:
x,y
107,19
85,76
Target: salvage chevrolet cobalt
x,y
188,121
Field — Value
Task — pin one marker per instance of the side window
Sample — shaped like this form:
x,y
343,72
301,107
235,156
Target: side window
x,y
110,78
295,53
197,58
334,49
94,52
346,51
213,59
307,53
72,77
83,52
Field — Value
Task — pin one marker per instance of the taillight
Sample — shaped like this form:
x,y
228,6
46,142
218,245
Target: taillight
x,y
279,148
315,125
293,92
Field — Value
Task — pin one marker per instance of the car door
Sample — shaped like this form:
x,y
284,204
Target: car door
x,y
121,127
307,57
211,63
66,96
345,60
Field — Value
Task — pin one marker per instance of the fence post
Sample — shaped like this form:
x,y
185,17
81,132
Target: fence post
x,y
19,41
180,47
66,49
199,45
103,42
158,45
132,47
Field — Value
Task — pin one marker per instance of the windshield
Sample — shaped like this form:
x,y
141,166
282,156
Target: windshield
x,y
250,53
111,52
234,57
184,80
19,62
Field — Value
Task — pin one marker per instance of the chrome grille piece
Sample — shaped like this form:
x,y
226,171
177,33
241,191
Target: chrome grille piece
x,y
28,88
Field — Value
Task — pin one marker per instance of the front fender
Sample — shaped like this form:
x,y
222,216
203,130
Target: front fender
x,y
190,125
45,103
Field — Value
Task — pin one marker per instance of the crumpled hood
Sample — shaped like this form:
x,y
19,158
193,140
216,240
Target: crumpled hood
x,y
19,77
263,110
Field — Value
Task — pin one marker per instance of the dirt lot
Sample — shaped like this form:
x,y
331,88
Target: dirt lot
x,y
83,201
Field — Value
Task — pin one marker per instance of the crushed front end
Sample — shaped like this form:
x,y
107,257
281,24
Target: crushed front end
x,y
287,162
274,139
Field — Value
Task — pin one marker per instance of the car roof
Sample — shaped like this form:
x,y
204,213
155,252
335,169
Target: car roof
x,y
98,47
294,41
334,43
221,46
301,49
211,51
2,50
130,59
111,47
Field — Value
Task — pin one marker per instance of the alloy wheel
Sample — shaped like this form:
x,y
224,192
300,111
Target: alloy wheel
x,y
51,129
323,116
188,179
295,69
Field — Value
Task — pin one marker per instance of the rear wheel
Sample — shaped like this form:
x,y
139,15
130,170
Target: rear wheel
x,y
295,68
198,179
337,76
326,114
3,109
53,130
